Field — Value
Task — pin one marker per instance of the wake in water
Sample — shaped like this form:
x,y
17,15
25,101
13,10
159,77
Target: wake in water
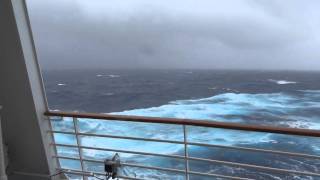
x,y
298,109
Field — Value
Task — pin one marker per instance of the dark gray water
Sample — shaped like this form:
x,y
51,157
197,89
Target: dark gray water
x,y
117,90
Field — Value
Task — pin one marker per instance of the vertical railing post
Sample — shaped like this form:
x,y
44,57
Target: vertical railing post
x,y
186,156
76,129
53,146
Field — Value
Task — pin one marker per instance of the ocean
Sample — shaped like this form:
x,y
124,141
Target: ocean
x,y
274,98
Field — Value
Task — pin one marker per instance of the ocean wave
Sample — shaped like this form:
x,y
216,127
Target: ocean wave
x,y
108,94
277,109
108,75
61,84
212,88
282,82
316,92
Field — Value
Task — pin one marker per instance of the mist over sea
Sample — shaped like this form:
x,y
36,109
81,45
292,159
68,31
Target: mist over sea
x,y
287,99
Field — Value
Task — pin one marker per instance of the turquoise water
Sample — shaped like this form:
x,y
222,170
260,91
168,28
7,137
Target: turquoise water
x,y
297,109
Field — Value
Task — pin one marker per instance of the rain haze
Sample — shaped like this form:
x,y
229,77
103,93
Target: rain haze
x,y
187,34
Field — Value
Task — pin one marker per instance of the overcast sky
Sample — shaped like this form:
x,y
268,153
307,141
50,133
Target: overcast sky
x,y
210,34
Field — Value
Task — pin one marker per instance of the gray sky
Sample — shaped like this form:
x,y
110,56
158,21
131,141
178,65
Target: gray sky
x,y
210,34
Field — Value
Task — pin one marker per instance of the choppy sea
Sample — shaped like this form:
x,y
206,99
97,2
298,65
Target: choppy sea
x,y
274,98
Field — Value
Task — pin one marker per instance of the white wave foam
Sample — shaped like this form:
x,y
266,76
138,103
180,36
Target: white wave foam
x,y
108,75
213,88
302,122
108,94
228,107
282,82
113,76
61,84
316,92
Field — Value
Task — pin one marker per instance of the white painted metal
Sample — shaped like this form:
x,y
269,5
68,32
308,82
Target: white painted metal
x,y
186,152
76,129
186,156
286,153
23,97
178,171
90,174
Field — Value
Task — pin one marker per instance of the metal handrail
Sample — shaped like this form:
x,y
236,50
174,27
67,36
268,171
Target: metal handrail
x,y
185,142
270,169
191,158
122,151
160,169
190,122
303,155
88,174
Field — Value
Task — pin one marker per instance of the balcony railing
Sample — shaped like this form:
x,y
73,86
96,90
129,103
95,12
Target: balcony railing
x,y
187,165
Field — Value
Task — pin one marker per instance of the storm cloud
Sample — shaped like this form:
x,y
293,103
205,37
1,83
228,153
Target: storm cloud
x,y
204,34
